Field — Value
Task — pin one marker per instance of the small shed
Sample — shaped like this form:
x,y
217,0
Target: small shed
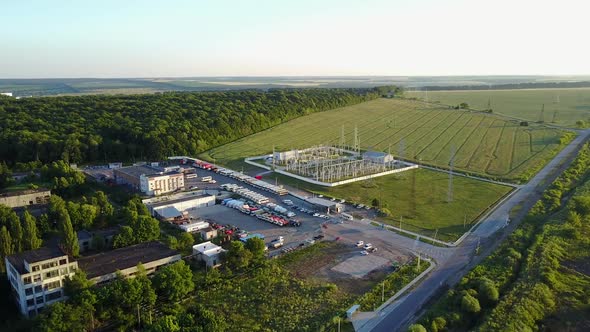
x,y
209,253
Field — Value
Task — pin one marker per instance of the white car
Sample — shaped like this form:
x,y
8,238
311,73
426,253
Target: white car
x,y
316,214
360,243
368,246
364,253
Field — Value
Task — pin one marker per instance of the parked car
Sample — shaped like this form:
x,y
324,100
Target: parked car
x,y
368,246
374,249
360,243
364,253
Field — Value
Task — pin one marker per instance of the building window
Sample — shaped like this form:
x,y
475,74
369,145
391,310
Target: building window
x,y
27,280
52,274
32,313
39,299
53,296
36,278
38,289
52,285
35,268
63,271
28,291
72,269
63,261
49,265
30,302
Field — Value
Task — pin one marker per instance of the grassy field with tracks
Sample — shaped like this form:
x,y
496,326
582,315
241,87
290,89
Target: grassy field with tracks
x,y
563,107
419,198
484,144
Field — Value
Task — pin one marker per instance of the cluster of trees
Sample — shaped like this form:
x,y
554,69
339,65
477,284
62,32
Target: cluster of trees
x,y
125,304
552,197
92,128
523,282
140,226
17,234
240,256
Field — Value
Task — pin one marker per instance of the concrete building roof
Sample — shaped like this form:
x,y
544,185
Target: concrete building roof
x,y
33,256
137,171
124,258
208,248
171,173
169,212
183,198
23,192
322,202
105,232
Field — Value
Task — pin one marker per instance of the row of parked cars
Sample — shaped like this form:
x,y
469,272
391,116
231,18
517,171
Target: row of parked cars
x,y
368,247
308,211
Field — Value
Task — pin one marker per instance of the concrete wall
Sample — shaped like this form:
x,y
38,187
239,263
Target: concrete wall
x,y
328,184
35,198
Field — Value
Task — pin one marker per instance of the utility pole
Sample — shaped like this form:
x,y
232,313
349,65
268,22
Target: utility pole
x,y
138,317
382,292
464,220
339,324
435,233
451,164
400,222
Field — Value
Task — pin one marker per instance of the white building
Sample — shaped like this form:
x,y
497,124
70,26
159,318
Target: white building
x,y
181,201
9,94
158,184
378,157
209,253
284,156
194,226
37,277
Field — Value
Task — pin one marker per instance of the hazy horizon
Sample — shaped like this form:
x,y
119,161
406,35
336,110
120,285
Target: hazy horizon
x,y
328,38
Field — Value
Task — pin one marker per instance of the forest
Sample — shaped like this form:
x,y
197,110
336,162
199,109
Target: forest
x,y
85,129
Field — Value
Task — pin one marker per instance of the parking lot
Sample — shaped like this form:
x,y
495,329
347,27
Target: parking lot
x,y
293,236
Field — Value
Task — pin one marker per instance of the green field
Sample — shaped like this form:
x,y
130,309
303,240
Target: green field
x,y
422,205
563,107
485,144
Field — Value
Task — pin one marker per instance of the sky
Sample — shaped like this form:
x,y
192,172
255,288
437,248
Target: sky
x,y
190,38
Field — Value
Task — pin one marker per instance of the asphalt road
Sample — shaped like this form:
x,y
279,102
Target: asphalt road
x,y
400,313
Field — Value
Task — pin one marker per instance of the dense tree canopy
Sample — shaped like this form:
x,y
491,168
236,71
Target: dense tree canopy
x,y
92,128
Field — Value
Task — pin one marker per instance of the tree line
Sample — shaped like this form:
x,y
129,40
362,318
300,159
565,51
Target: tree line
x,y
92,128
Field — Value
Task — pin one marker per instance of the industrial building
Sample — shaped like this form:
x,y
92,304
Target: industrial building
x,y
194,227
325,204
150,180
24,198
378,157
209,253
169,206
37,277
105,266
88,239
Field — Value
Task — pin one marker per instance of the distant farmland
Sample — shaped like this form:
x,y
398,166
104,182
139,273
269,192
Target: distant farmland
x,y
484,144
563,107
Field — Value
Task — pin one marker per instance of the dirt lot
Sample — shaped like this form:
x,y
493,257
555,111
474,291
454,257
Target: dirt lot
x,y
319,266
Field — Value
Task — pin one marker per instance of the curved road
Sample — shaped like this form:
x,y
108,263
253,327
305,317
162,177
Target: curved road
x,y
458,261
